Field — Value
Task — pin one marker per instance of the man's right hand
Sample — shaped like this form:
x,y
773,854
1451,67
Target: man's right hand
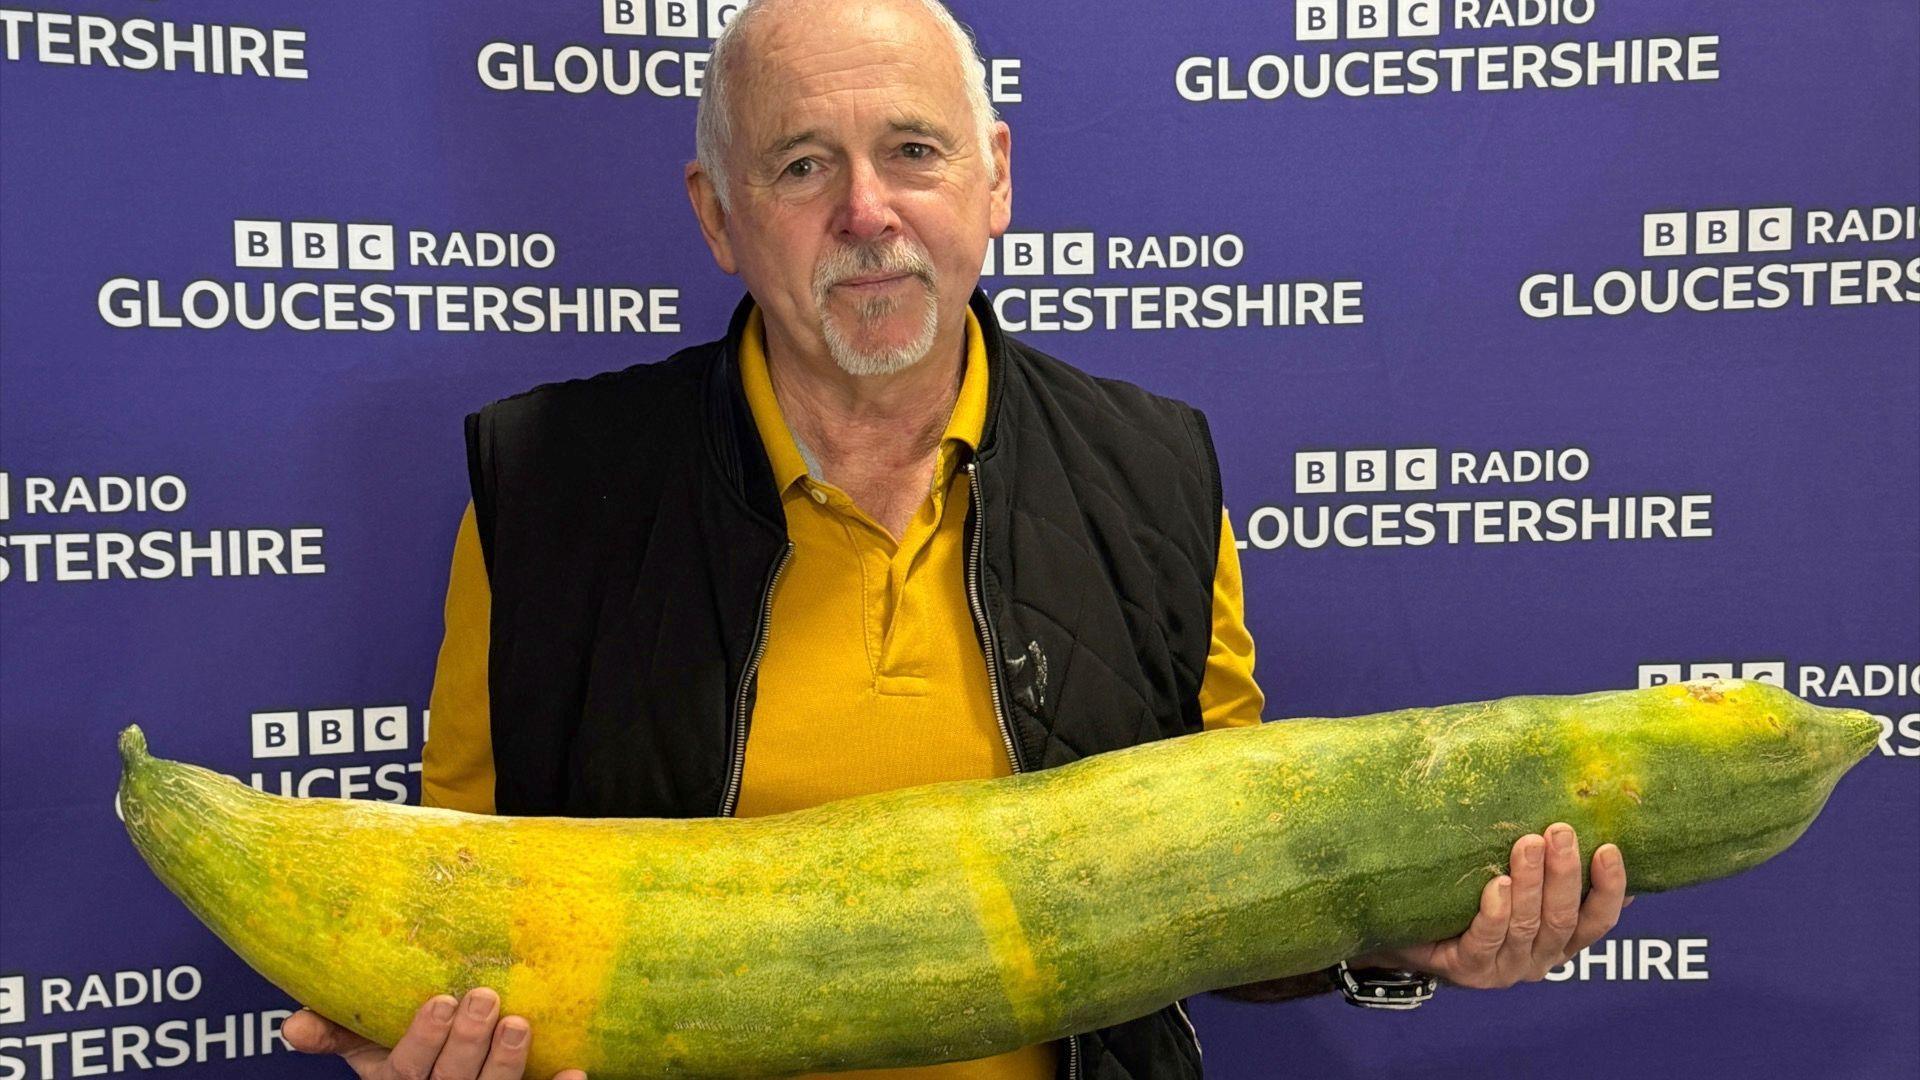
x,y
448,1040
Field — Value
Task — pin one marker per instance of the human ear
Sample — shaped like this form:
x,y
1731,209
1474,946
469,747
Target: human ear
x,y
1000,205
710,214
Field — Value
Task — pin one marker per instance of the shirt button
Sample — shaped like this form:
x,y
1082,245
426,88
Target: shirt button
x,y
818,495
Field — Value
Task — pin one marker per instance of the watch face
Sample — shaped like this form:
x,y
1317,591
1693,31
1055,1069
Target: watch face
x,y
1384,988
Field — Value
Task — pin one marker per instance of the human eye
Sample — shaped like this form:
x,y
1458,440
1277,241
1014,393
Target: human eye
x,y
917,151
799,168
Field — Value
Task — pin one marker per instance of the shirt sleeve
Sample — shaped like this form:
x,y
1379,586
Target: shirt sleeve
x,y
456,764
1228,695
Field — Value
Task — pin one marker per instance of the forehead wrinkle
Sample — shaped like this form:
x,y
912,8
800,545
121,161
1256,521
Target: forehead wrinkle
x,y
893,75
815,118
773,58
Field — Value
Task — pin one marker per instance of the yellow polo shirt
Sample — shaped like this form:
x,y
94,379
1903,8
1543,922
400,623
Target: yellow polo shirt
x,y
872,677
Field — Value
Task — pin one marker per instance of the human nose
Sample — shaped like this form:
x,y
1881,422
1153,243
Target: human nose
x,y
866,209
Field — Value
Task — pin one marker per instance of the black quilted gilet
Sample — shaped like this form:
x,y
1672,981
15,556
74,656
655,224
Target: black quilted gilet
x,y
631,527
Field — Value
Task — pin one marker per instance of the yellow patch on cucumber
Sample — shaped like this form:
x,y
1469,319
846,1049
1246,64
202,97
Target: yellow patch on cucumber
x,y
1722,712
1027,985
1605,783
563,954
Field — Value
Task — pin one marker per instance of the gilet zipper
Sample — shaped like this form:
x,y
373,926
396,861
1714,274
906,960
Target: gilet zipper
x,y
988,644
990,647
1181,1007
737,764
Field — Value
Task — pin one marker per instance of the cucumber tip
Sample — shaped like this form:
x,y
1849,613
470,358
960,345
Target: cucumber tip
x,y
133,745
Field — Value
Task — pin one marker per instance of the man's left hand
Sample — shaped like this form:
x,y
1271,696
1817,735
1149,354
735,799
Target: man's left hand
x,y
1529,926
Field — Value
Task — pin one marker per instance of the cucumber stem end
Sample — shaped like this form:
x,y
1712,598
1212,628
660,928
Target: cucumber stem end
x,y
133,745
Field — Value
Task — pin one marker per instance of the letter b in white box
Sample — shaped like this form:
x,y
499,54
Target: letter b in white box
x,y
1367,18
623,16
1366,470
276,734
256,244
1659,675
1716,232
1712,669
1023,254
316,245
1316,20
1663,234
1316,472
330,731
675,18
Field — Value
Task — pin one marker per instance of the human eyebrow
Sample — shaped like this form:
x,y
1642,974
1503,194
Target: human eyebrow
x,y
780,147
918,126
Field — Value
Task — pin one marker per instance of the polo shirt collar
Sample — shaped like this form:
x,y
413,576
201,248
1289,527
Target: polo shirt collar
x,y
790,460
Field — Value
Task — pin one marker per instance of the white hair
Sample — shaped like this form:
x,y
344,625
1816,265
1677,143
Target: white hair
x,y
904,255
713,123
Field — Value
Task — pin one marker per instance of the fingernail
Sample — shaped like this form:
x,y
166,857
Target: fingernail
x,y
1613,858
478,1004
1505,883
1563,839
516,1034
443,1010
1627,901
1534,852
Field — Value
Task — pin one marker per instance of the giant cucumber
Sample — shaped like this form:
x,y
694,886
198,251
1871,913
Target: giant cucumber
x,y
968,918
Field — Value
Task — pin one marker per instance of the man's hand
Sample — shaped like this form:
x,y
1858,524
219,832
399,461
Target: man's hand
x,y
448,1040
1520,937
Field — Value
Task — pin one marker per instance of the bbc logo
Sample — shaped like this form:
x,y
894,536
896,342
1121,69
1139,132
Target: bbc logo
x,y
1717,232
1034,254
333,731
1322,20
311,245
1771,672
1328,472
671,18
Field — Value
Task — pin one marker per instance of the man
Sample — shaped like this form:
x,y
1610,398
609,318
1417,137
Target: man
x,y
765,573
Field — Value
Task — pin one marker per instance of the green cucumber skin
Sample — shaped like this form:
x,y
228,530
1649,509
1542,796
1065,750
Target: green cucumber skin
x,y
862,934
1131,891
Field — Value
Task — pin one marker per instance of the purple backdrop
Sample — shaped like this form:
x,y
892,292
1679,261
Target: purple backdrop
x,y
1672,243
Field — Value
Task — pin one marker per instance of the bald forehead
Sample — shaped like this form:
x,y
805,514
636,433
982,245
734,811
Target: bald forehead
x,y
841,16
793,48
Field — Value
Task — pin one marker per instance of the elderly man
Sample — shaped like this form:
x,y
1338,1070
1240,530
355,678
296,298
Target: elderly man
x,y
863,541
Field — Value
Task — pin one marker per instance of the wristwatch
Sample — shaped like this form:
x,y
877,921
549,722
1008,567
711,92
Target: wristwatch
x,y
1382,988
